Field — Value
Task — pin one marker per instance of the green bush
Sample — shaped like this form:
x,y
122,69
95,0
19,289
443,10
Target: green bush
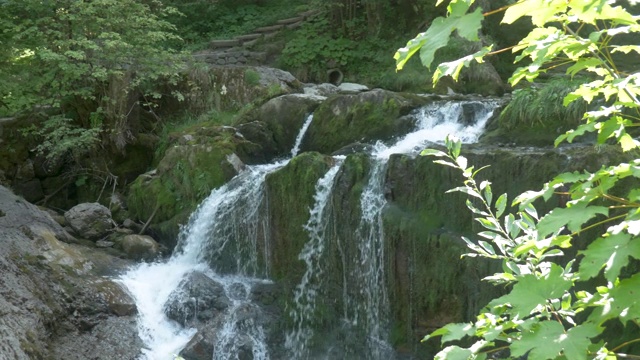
x,y
541,106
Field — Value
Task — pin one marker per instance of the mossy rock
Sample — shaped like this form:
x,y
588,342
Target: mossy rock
x,y
429,284
185,175
368,116
290,192
275,124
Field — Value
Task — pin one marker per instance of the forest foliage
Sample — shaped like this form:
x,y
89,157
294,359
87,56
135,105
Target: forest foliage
x,y
83,65
555,308
79,69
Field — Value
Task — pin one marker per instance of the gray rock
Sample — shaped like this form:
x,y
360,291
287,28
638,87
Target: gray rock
x,y
235,162
197,298
116,298
89,220
45,167
25,171
324,90
130,224
139,247
351,88
104,244
275,125
49,304
200,347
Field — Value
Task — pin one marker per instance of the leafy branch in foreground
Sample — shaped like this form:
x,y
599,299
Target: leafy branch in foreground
x,y
539,316
556,309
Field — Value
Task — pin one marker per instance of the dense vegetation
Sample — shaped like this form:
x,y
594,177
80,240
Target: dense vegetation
x,y
556,307
84,70
76,70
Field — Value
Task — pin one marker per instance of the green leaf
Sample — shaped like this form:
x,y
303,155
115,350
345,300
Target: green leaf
x,y
573,217
466,190
453,145
623,302
488,194
572,134
438,34
573,344
545,332
611,252
501,204
584,64
540,11
625,48
453,68
628,143
531,291
454,353
433,152
452,332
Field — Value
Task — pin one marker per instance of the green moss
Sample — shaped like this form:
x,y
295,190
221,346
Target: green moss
x,y
346,119
429,284
290,193
251,77
185,176
536,115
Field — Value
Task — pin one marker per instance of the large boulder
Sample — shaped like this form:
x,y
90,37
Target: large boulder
x,y
235,86
197,298
367,116
196,161
139,247
275,124
89,220
55,301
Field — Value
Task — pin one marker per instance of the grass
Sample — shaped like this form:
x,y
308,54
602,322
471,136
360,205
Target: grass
x,y
541,106
186,124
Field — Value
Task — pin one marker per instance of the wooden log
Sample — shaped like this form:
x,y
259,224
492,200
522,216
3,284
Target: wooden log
x,y
309,13
268,29
290,20
248,37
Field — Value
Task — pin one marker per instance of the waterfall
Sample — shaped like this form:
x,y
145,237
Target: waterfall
x,y
304,301
303,130
227,241
369,311
366,308
228,225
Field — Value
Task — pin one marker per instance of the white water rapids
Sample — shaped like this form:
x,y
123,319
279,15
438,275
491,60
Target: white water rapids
x,y
229,222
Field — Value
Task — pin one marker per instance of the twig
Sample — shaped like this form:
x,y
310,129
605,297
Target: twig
x,y
43,202
144,228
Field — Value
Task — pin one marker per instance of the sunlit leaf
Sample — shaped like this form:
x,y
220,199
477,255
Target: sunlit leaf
x,y
501,204
454,331
611,253
573,217
438,34
531,291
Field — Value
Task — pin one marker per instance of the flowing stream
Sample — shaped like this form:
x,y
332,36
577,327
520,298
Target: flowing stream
x,y
227,240
229,219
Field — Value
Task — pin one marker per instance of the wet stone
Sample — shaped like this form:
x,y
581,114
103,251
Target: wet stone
x,y
197,298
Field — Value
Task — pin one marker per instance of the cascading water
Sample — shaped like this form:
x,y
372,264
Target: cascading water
x,y
435,122
366,308
227,240
227,225
305,294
